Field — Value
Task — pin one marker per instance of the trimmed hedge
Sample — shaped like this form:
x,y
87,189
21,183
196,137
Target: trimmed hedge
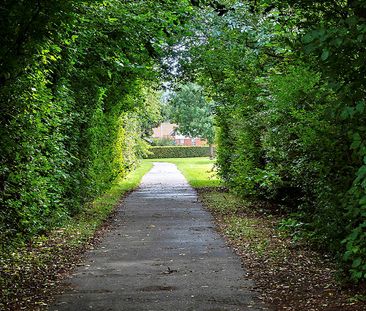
x,y
178,152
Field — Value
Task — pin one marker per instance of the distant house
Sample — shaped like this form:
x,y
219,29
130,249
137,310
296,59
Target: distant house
x,y
168,130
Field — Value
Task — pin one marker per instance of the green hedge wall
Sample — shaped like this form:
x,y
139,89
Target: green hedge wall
x,y
178,152
291,126
72,112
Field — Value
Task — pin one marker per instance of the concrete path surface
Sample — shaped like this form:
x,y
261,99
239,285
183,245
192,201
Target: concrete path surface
x,y
162,254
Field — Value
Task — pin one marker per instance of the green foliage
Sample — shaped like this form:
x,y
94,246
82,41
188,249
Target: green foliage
x,y
77,96
288,79
192,112
162,142
37,266
301,137
177,152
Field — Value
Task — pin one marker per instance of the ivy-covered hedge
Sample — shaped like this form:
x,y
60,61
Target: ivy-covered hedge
x,y
178,152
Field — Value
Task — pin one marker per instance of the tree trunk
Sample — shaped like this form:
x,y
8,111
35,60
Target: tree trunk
x,y
212,152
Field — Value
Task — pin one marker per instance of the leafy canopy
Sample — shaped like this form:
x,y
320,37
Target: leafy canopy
x,y
192,111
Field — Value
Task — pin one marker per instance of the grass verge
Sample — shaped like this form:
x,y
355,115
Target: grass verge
x,y
30,274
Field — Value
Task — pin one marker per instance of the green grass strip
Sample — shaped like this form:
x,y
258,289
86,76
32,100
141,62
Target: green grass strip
x,y
199,172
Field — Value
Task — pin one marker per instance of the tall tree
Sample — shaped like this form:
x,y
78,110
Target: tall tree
x,y
193,113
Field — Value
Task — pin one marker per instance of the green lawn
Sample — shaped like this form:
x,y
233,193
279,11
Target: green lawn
x,y
198,171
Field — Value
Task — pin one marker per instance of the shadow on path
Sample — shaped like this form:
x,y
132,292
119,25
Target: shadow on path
x,y
162,254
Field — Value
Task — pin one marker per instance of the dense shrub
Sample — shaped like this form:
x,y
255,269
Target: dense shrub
x,y
77,95
163,142
291,151
290,94
178,152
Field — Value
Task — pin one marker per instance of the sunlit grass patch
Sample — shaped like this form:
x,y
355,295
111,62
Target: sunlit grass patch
x,y
199,172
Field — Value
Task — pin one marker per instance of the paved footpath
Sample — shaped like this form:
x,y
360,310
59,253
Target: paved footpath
x,y
162,254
